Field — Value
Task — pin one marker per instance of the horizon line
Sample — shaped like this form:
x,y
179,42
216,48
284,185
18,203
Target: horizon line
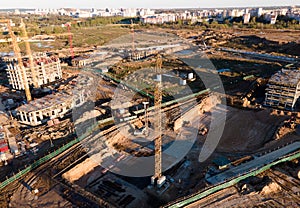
x,y
226,7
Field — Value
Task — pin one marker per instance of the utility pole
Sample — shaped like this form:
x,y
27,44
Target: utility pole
x,y
146,117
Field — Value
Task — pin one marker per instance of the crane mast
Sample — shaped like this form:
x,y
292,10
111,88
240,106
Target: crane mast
x,y
158,122
132,31
70,39
17,52
28,51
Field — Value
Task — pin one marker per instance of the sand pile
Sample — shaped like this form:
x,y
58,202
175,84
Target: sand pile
x,y
271,188
80,170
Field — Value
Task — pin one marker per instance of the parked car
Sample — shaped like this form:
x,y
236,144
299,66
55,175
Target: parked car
x,y
2,135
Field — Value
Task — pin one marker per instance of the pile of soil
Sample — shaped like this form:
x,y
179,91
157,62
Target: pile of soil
x,y
271,188
80,170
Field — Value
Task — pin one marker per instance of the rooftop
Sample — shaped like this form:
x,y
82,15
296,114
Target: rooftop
x,y
83,84
286,77
46,102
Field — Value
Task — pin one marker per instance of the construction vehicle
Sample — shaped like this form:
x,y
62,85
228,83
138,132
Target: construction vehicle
x,y
203,131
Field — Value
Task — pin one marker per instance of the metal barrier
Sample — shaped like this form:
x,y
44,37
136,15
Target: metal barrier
x,y
45,158
71,143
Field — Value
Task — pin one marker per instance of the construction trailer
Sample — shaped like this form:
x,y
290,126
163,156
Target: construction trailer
x,y
3,146
283,89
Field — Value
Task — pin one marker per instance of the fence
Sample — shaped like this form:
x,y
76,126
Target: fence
x,y
46,158
71,143
197,196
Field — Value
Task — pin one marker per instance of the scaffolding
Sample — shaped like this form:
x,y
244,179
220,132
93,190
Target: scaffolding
x,y
283,89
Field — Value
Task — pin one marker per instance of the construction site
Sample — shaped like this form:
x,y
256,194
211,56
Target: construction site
x,y
127,124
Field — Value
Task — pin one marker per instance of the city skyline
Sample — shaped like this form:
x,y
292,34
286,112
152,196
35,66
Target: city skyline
x,y
6,4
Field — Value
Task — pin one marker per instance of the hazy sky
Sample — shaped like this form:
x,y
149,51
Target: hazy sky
x,y
142,3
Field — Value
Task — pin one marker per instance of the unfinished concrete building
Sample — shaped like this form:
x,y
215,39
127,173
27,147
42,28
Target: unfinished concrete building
x,y
53,106
46,68
41,110
283,89
142,54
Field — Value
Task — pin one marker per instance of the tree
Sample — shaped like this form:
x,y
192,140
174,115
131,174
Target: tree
x,y
253,20
179,22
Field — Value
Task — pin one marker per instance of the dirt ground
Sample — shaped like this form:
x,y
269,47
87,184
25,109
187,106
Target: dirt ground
x,y
47,197
270,41
273,188
246,131
80,170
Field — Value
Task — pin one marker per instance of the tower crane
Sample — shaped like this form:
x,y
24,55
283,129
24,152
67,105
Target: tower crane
x,y
29,54
132,31
17,52
158,125
70,39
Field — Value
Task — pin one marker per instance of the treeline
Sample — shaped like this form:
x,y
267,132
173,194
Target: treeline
x,y
98,21
282,22
53,24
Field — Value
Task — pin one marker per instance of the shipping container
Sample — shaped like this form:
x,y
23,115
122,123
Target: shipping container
x,y
4,148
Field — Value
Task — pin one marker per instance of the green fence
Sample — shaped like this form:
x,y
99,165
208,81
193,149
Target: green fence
x,y
45,158
71,143
195,197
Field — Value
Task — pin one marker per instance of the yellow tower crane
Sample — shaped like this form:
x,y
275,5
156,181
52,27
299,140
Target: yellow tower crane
x,y
29,54
158,123
17,52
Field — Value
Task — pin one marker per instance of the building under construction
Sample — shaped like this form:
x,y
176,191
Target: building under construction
x,y
46,69
140,54
53,106
37,70
283,89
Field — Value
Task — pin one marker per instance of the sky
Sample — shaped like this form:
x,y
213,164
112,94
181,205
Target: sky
x,y
5,4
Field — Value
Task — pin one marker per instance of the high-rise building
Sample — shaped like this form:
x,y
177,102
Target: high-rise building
x,y
47,70
246,18
259,12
